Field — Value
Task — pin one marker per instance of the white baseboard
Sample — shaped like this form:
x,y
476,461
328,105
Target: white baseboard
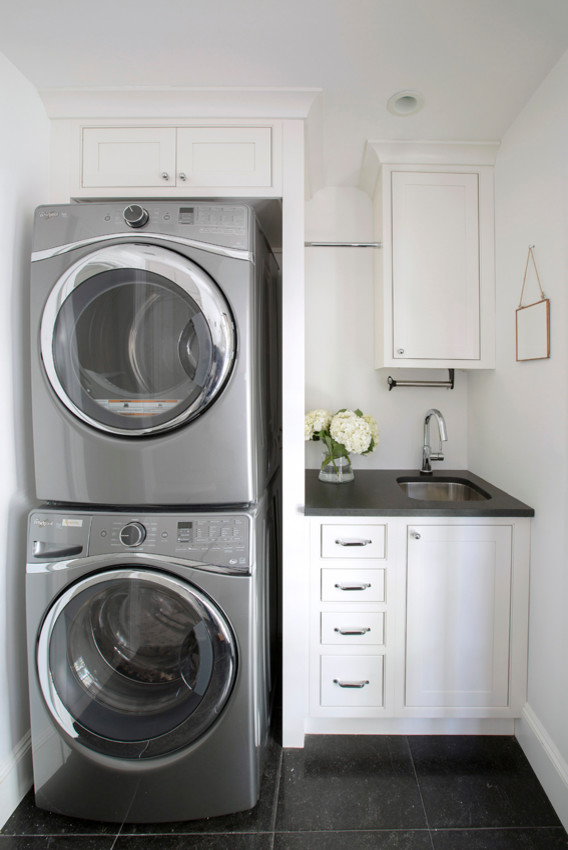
x,y
545,759
16,777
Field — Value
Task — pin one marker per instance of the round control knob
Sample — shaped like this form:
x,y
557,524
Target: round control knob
x,y
132,534
135,215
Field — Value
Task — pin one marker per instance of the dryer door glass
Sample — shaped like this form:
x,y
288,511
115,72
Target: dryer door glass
x,y
137,339
135,663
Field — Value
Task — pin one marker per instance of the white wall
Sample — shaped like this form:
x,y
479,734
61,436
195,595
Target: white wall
x,y
23,185
518,417
339,344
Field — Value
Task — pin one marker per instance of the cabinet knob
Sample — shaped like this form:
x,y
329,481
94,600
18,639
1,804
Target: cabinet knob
x,y
400,351
165,175
182,175
416,535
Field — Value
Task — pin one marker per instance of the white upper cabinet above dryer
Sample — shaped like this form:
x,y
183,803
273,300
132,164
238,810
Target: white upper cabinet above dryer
x,y
435,276
170,157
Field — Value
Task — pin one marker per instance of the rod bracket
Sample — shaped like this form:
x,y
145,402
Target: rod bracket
x,y
449,384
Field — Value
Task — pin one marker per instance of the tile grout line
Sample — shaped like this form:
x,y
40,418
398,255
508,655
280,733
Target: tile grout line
x,y
276,797
420,793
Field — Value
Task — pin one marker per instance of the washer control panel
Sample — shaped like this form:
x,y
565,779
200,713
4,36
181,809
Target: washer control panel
x,y
222,540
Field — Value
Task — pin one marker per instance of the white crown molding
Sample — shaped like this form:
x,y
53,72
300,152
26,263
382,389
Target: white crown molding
x,y
155,102
426,152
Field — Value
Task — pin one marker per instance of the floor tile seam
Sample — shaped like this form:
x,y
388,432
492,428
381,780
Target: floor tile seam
x,y
276,802
101,835
350,831
181,834
439,829
416,777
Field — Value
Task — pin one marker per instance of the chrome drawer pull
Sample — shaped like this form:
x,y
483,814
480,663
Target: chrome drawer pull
x,y
362,631
353,541
352,586
351,684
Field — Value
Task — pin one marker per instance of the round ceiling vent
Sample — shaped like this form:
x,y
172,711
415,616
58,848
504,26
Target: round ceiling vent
x,y
405,103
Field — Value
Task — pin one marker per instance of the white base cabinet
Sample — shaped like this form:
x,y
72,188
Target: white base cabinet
x,y
415,617
458,616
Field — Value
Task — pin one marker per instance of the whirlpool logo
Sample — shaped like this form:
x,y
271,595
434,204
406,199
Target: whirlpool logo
x,y
49,214
42,523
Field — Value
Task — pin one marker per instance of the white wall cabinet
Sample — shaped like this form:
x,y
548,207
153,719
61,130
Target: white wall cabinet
x,y
185,157
190,159
419,618
435,275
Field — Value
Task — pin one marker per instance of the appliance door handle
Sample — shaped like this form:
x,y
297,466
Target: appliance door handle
x,y
41,549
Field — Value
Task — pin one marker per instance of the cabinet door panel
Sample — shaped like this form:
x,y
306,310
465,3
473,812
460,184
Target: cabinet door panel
x,y
225,156
436,285
458,616
128,156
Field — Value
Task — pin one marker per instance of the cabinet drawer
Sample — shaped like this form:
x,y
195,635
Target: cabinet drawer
x,y
352,585
353,629
353,541
352,680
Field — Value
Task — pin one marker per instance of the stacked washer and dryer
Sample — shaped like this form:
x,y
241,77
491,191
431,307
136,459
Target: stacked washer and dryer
x,y
153,562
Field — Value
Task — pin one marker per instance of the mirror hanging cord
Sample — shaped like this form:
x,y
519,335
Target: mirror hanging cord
x,y
449,384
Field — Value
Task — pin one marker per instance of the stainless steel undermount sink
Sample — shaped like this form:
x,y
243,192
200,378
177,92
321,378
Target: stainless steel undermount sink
x,y
442,490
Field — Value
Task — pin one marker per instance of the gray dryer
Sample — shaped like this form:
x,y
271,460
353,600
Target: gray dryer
x,y
154,331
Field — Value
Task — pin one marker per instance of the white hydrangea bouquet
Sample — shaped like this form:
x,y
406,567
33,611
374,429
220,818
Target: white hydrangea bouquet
x,y
342,433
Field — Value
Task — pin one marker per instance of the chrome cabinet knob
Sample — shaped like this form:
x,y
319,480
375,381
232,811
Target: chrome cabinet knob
x,y
182,175
165,175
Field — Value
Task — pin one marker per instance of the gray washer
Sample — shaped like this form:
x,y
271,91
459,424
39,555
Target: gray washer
x,y
154,331
149,662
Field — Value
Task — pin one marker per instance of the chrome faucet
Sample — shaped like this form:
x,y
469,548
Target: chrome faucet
x,y
427,454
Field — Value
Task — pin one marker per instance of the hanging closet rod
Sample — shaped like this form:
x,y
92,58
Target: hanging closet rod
x,y
343,244
449,385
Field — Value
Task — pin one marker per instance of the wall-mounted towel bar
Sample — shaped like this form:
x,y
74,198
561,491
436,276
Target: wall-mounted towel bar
x,y
449,385
343,244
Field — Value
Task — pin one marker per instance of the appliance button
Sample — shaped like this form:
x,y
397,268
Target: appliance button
x,y
135,215
132,534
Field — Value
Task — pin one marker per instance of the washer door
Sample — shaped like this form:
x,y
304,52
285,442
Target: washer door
x,y
135,663
136,339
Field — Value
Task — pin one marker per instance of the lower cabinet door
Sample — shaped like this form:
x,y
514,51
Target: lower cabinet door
x,y
352,680
458,616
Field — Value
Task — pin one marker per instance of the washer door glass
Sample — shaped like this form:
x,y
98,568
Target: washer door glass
x,y
135,663
137,339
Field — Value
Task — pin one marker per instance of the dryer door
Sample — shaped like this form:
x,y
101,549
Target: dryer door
x,y
135,663
137,339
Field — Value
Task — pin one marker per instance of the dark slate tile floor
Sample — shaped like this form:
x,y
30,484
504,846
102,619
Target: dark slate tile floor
x,y
361,792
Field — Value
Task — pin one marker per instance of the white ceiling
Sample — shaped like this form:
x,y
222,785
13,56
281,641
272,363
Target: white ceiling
x,y
475,61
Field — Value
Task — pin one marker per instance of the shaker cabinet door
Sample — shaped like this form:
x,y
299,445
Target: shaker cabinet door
x,y
458,616
128,157
435,266
224,156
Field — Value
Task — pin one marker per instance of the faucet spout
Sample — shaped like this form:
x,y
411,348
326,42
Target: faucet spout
x,y
427,454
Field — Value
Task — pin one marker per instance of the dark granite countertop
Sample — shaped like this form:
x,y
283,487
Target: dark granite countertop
x,y
375,492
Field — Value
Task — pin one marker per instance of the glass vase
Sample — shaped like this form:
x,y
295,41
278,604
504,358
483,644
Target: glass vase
x,y
341,473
